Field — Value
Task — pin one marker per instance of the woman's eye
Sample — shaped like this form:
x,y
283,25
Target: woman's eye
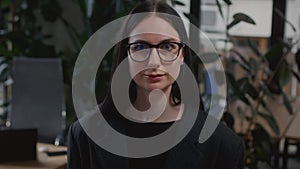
x,y
139,46
167,46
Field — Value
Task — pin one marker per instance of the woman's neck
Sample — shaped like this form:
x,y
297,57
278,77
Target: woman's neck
x,y
142,101
151,100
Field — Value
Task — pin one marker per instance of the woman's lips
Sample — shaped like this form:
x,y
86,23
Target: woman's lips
x,y
154,77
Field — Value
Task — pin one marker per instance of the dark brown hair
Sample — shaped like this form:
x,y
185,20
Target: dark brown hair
x,y
120,50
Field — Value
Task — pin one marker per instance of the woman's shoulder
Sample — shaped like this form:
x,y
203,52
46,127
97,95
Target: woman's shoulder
x,y
76,131
223,139
232,148
222,133
78,128
225,147
227,135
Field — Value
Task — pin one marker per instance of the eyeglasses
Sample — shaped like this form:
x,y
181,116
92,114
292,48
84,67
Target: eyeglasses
x,y
167,51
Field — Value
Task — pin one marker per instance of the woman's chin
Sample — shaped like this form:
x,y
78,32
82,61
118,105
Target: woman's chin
x,y
152,87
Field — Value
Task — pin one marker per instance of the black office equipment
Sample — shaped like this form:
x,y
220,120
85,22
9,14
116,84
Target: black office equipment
x,y
17,144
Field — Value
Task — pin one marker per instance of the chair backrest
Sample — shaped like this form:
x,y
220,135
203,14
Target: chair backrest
x,y
38,97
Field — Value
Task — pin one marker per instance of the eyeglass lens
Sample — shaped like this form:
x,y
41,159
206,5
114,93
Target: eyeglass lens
x,y
167,51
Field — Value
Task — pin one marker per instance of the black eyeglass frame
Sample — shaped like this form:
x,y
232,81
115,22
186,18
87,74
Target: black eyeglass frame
x,y
180,45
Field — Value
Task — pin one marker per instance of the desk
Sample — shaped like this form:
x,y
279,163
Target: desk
x,y
289,125
292,135
43,161
293,130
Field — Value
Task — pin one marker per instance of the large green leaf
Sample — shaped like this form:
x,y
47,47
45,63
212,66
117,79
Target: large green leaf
x,y
284,74
240,17
271,121
287,103
273,54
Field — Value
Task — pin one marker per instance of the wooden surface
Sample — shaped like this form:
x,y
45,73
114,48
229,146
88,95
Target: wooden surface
x,y
293,131
288,123
43,161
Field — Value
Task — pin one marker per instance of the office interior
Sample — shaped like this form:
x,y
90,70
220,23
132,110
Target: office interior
x,y
257,42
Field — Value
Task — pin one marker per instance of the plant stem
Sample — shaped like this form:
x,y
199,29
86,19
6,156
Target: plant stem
x,y
262,94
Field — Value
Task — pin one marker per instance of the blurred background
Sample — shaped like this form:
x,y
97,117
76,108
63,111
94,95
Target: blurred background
x,y
256,40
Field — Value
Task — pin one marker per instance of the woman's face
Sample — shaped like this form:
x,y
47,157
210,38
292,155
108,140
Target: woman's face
x,y
154,67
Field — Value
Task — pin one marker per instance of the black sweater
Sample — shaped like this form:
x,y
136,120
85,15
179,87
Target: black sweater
x,y
223,150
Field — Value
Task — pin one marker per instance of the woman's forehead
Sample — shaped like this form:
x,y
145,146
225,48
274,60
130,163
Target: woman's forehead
x,y
152,38
156,26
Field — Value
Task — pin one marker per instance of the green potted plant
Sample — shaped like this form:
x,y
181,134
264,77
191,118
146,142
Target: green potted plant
x,y
255,87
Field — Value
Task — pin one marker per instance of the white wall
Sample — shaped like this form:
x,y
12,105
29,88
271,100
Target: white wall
x,y
181,10
260,11
293,15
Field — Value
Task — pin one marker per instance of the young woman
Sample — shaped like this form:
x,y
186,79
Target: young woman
x,y
155,61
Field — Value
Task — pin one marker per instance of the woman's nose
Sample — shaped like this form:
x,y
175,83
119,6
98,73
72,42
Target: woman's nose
x,y
154,59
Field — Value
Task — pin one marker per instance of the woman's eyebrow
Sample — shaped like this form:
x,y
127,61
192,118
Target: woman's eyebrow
x,y
169,40
164,40
139,41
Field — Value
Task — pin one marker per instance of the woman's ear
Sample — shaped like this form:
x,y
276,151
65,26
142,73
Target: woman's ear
x,y
182,57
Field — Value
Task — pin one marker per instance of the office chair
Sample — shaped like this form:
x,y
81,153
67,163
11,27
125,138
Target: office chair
x,y
38,98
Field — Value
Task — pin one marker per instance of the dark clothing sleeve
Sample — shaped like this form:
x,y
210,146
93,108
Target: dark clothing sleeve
x,y
74,160
240,156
